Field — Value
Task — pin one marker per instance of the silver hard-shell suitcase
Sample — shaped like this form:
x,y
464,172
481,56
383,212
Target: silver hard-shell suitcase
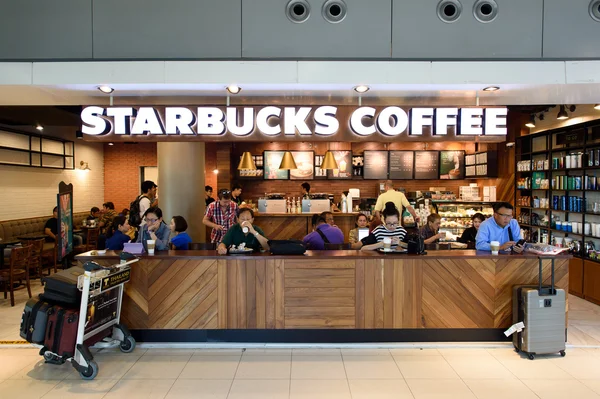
x,y
542,309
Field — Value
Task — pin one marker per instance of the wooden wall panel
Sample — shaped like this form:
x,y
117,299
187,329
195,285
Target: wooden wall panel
x,y
283,228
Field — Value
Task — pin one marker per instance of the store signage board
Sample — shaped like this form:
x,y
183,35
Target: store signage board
x,y
343,123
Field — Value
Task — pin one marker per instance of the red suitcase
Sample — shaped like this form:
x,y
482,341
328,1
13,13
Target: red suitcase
x,y
61,331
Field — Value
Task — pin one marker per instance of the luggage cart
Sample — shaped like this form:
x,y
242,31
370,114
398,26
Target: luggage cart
x,y
98,284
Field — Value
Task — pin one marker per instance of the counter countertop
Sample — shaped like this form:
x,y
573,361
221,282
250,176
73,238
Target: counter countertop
x,y
335,254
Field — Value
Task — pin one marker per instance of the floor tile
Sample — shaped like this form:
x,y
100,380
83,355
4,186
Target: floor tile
x,y
140,389
267,352
579,367
439,389
11,365
478,367
464,352
319,389
195,389
365,352
20,352
316,352
211,367
371,367
94,389
149,367
379,389
500,389
534,369
25,389
137,352
260,389
594,385
264,367
414,352
560,389
110,367
43,371
170,352
218,352
425,367
318,368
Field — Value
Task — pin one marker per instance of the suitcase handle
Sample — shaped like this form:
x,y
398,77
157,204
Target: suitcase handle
x,y
541,277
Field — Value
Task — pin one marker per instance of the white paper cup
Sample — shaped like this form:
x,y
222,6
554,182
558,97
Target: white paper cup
x,y
245,229
558,241
495,247
150,244
387,243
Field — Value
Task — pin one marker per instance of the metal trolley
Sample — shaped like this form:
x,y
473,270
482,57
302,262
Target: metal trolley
x,y
105,285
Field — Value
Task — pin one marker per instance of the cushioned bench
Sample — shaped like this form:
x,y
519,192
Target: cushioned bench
x,y
18,227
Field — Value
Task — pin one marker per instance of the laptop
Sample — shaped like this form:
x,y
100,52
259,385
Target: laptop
x,y
362,233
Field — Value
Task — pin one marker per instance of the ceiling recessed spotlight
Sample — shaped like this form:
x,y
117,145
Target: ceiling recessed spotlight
x,y
562,114
234,89
39,127
79,134
491,88
216,171
362,89
111,144
531,122
105,89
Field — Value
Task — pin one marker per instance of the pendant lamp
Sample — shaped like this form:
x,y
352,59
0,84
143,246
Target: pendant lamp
x,y
329,161
246,162
288,162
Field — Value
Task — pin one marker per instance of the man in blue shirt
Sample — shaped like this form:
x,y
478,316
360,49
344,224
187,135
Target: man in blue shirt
x,y
502,228
323,229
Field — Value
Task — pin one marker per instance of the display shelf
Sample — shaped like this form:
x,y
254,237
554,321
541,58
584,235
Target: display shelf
x,y
558,210
568,169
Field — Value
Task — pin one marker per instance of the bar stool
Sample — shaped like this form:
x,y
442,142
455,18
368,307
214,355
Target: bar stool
x,y
18,269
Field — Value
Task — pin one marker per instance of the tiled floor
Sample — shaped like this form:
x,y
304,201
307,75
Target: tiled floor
x,y
445,371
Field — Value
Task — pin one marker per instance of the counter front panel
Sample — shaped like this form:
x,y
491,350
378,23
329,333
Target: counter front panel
x,y
190,290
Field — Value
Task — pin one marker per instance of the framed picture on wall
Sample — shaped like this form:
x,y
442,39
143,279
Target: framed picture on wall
x,y
272,160
305,161
452,165
344,162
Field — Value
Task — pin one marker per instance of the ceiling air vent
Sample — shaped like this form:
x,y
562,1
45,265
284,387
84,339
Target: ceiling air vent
x,y
595,10
449,10
334,11
297,11
485,10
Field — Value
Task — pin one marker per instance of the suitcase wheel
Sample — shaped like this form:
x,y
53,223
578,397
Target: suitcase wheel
x,y
531,356
91,372
563,353
128,345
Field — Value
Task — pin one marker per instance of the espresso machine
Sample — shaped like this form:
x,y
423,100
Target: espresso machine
x,y
272,203
317,203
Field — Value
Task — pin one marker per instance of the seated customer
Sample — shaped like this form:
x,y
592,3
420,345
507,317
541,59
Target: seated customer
x,y
361,222
391,228
108,214
244,232
94,213
119,229
179,238
470,234
51,229
502,228
324,233
155,229
430,232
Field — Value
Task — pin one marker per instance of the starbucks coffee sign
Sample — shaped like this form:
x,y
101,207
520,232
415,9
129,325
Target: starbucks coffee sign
x,y
273,123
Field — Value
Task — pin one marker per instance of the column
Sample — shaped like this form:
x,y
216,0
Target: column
x,y
181,184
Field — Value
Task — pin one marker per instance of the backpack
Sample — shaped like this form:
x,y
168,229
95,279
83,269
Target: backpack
x,y
134,212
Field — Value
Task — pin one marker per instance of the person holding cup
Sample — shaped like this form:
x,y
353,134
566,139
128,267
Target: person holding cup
x,y
155,233
244,232
388,235
502,229
430,233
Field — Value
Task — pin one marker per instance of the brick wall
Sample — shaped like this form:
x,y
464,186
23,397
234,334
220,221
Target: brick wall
x,y
122,164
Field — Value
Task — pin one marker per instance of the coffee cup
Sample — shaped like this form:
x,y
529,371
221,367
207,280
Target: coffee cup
x,y
387,243
558,241
495,247
151,244
245,230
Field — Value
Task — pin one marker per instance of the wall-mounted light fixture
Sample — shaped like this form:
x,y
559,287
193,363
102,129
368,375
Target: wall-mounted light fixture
x,y
79,135
216,171
597,106
40,128
531,122
84,166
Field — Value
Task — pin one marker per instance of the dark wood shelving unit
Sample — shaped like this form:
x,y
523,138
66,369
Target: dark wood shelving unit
x,y
32,144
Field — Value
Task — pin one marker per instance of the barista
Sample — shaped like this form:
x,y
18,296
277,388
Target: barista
x,y
305,190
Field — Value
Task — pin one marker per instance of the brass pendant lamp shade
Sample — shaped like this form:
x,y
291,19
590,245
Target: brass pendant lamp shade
x,y
288,162
329,161
246,162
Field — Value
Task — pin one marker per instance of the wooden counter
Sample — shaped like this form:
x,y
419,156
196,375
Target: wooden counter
x,y
348,290
282,226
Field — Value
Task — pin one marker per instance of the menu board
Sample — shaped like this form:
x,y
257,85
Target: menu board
x,y
376,165
426,165
305,162
272,160
452,165
344,162
401,165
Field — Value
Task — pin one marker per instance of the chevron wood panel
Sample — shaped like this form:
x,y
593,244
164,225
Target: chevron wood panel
x,y
282,228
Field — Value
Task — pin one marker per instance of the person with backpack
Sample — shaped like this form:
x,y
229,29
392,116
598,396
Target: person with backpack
x,y
324,233
141,204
